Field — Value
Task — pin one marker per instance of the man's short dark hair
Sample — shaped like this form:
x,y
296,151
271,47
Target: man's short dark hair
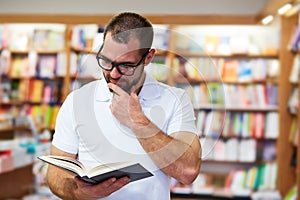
x,y
127,24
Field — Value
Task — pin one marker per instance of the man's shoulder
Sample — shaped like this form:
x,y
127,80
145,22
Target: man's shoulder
x,y
171,89
161,85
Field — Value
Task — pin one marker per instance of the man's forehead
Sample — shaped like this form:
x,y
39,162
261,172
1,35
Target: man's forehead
x,y
110,46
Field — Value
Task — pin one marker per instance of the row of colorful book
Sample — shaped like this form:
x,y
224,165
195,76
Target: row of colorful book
x,y
230,150
238,124
237,150
238,183
232,96
227,69
33,64
262,177
31,90
44,115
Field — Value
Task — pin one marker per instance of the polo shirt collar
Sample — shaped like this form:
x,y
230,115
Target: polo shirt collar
x,y
150,90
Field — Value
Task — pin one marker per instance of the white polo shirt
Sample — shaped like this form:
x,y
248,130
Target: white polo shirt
x,y
85,126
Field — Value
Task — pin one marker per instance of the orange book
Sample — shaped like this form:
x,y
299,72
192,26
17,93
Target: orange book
x,y
36,90
229,179
230,70
259,125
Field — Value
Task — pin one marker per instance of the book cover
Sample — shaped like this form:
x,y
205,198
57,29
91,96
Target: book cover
x,y
200,122
230,70
251,177
23,90
135,171
292,194
19,64
54,113
46,66
5,62
259,69
260,90
216,93
259,125
211,43
293,44
36,88
295,71
232,152
271,131
244,73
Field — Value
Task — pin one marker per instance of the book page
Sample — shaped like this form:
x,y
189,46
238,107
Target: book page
x,y
67,163
101,169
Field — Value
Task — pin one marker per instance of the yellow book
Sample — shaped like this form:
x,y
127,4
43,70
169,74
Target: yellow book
x,y
36,88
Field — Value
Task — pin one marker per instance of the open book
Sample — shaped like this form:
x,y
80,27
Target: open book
x,y
134,171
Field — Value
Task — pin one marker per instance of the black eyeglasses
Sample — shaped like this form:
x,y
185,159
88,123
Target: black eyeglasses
x,y
125,68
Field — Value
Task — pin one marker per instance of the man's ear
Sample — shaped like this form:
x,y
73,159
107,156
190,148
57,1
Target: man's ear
x,y
149,56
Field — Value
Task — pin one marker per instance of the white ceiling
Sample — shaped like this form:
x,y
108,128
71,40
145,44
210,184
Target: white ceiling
x,y
95,7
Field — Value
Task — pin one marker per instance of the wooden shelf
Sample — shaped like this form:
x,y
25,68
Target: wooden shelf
x,y
178,196
233,56
85,51
225,162
238,108
286,177
21,103
240,138
37,51
200,80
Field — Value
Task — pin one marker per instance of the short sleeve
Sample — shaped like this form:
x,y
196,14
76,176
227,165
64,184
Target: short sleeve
x,y
65,137
183,117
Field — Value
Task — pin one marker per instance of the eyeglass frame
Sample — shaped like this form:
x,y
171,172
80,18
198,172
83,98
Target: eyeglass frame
x,y
114,64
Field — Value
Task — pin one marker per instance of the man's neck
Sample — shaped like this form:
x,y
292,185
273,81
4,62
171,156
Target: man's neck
x,y
140,84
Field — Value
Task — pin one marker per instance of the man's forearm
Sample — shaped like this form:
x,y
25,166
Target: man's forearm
x,y
177,157
61,183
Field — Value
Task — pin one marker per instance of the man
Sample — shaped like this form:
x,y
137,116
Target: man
x,y
127,115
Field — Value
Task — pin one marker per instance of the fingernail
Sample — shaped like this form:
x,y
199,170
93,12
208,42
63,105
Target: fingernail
x,y
113,180
127,179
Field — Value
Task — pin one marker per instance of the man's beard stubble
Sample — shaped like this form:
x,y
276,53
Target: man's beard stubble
x,y
127,86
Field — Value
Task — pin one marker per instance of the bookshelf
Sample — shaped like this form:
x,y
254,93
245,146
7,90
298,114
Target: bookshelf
x,y
33,70
169,54
33,63
217,73
289,151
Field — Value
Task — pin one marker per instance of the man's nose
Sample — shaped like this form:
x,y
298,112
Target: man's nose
x,y
115,73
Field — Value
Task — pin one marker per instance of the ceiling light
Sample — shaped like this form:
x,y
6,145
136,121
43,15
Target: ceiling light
x,y
282,10
267,19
